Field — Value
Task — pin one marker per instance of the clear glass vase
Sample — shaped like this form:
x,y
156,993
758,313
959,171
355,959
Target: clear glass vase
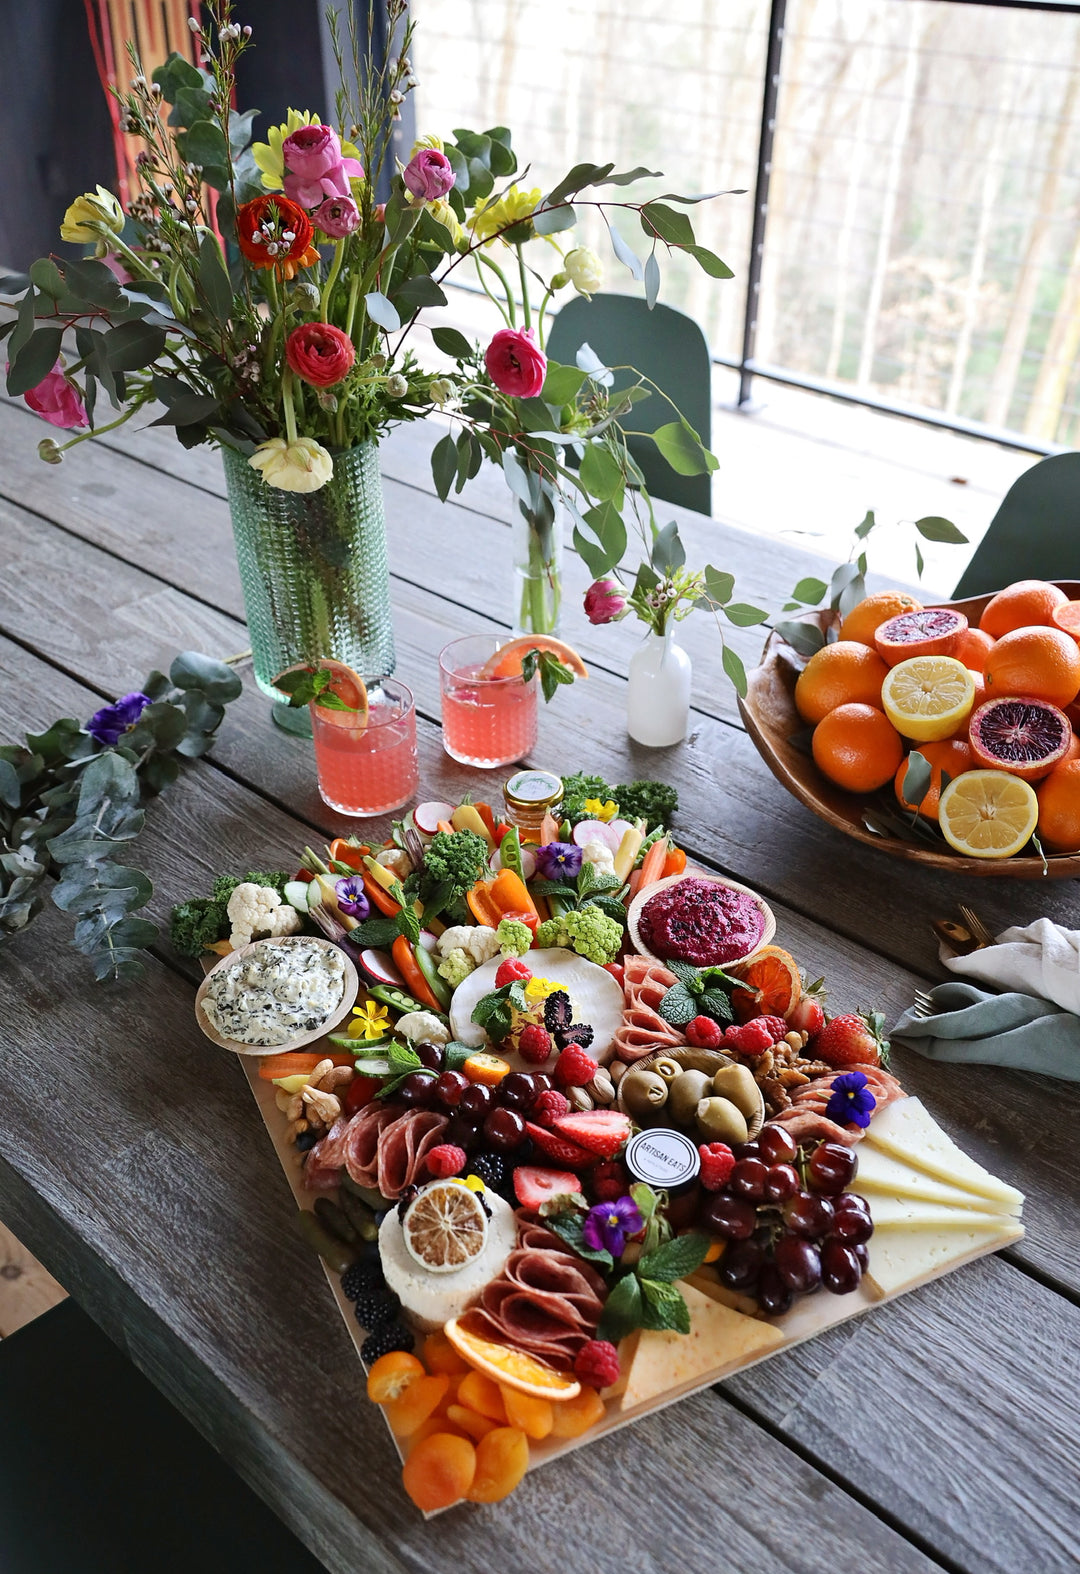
x,y
314,570
537,544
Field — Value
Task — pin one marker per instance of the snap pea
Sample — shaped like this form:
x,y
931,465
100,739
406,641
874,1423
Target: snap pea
x,y
438,986
396,999
334,1219
334,1253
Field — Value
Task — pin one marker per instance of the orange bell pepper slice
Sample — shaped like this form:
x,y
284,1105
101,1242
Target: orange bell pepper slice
x,y
490,901
415,982
379,896
675,862
343,852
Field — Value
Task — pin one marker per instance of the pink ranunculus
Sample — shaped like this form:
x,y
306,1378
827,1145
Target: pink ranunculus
x,y
57,401
315,167
319,353
604,601
336,217
516,364
429,175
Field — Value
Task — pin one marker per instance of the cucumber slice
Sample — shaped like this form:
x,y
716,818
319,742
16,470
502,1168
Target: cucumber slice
x,y
296,894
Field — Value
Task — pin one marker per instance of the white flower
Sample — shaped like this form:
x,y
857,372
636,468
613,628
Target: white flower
x,y
440,389
585,269
302,466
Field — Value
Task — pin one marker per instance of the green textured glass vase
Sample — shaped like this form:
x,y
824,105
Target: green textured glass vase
x,y
313,567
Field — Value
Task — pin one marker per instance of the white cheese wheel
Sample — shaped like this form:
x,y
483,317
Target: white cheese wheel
x,y
431,1299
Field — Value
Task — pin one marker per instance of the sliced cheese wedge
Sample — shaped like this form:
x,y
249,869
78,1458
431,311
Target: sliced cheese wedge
x,y
902,1259
879,1174
909,1213
907,1131
719,1340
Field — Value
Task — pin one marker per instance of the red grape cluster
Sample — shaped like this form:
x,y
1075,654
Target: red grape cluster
x,y
790,1225
480,1116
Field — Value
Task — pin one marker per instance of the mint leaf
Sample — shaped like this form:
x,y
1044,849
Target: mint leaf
x,y
714,1003
408,925
375,932
610,906
623,1310
684,971
645,1198
663,1307
678,1006
716,978
517,997
553,672
403,1058
569,1227
676,1258
455,1055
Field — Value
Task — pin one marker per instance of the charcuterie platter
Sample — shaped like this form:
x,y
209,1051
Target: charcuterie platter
x,y
584,1140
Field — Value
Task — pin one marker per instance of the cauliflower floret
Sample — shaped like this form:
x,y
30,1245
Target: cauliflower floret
x,y
600,855
456,967
423,1027
477,940
513,936
256,911
397,860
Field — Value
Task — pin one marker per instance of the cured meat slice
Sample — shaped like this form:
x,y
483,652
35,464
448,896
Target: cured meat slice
x,y
402,1146
361,1143
643,1030
546,1300
807,1125
816,1094
330,1151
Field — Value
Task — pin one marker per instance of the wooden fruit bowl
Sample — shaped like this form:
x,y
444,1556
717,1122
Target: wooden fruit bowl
x,y
772,720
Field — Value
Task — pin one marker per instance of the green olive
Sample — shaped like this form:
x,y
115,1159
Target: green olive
x,y
643,1093
685,1093
737,1084
719,1121
667,1068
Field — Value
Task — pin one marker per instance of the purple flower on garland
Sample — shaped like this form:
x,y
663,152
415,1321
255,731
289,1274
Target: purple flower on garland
x,y
352,898
109,723
609,1223
559,861
851,1101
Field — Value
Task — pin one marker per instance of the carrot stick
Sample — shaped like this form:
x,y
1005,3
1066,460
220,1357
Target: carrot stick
x,y
549,830
652,867
634,883
296,1063
444,825
415,982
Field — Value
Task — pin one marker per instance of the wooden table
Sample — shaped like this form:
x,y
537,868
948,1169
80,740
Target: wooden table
x,y
938,1432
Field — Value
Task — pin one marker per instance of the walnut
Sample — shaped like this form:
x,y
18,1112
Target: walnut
x,y
792,1078
763,1065
814,1068
775,1094
795,1039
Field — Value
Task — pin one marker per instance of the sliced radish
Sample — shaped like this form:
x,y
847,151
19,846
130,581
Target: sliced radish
x,y
528,864
428,940
296,894
495,861
377,965
426,816
587,831
619,828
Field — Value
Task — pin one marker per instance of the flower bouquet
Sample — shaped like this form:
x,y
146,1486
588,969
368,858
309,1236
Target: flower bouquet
x,y
264,299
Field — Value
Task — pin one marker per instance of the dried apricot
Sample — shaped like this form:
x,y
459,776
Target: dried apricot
x,y
433,1424
420,1400
391,1375
502,1458
533,1416
439,1471
577,1415
481,1394
470,1421
439,1355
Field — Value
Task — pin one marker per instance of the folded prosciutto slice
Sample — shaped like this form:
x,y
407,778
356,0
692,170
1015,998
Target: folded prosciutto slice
x,y
643,1030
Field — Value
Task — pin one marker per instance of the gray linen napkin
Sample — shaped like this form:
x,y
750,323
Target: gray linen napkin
x,y
995,1030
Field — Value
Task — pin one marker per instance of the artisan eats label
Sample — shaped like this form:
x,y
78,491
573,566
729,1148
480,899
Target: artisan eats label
x,y
662,1158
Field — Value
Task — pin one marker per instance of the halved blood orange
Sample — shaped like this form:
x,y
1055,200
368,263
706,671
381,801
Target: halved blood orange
x,y
1067,618
346,684
935,631
1025,737
504,1364
772,985
506,662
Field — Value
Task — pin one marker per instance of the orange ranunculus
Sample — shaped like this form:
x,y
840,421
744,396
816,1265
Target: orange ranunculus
x,y
274,233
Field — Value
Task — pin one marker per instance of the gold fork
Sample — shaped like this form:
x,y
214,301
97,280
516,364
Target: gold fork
x,y
978,929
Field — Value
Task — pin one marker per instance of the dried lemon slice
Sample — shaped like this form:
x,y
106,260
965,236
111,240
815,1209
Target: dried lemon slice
x,y
988,814
445,1227
928,697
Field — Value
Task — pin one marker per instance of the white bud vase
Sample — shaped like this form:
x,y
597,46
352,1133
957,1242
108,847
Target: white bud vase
x,y
658,695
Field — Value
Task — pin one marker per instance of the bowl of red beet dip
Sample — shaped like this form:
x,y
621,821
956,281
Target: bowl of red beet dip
x,y
700,919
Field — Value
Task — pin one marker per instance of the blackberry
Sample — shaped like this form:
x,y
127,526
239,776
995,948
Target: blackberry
x,y
376,1306
363,1277
491,1168
387,1337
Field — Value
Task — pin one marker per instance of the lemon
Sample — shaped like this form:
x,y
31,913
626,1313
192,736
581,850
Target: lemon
x,y
928,697
988,814
445,1227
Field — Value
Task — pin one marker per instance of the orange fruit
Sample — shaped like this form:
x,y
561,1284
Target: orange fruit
x,y
988,814
439,1471
1067,617
506,662
974,647
1072,750
772,983
871,612
951,755
844,673
1020,605
857,747
1059,808
1035,663
502,1458
578,1415
391,1375
932,631
505,1365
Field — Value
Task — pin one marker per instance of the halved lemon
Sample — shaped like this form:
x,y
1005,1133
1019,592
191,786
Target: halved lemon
x,y
507,1365
988,814
445,1227
347,685
928,697
506,662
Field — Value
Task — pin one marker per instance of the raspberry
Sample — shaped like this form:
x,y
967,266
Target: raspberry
x,y
776,1026
534,1043
597,1364
549,1106
704,1033
753,1038
446,1160
511,970
608,1181
574,1067
717,1163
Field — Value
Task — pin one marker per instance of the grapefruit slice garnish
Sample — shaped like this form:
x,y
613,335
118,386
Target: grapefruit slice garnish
x,y
346,684
988,814
505,1364
507,660
771,981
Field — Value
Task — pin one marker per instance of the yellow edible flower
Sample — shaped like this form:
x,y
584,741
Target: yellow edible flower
x,y
443,214
88,215
371,1021
268,155
300,466
601,811
540,988
435,144
490,217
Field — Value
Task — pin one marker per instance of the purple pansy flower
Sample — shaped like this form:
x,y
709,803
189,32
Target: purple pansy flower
x,y
351,897
559,861
851,1101
607,1225
109,723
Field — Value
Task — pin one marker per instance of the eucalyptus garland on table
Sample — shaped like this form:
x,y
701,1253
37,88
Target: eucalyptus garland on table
x,y
71,796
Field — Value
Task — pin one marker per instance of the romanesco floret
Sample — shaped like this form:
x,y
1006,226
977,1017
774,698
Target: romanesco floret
x,y
513,936
456,967
588,931
476,940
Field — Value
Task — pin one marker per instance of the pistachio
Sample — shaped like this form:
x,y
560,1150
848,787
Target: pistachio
x,y
579,1099
617,1070
601,1089
642,1093
718,1120
686,1093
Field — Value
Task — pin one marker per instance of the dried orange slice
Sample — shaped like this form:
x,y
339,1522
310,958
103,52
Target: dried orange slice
x,y
445,1227
772,983
513,1368
348,686
506,662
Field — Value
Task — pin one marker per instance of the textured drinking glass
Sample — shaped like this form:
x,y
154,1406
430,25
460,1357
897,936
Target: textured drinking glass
x,y
372,769
313,567
486,721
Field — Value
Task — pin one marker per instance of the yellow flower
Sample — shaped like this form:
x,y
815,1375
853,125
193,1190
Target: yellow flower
x,y
538,989
601,811
300,466
490,217
443,214
585,270
88,215
421,143
268,154
371,1021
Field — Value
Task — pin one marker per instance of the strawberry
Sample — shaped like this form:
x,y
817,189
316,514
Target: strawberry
x,y
533,1186
807,1016
851,1040
601,1131
560,1149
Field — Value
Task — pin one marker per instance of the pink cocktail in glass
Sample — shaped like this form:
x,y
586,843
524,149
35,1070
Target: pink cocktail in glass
x,y
371,769
486,721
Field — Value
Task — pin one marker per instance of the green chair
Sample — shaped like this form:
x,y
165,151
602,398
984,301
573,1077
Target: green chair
x,y
100,1475
666,346
1035,533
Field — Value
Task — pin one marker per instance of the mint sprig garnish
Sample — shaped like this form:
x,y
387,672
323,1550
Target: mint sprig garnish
x,y
307,684
553,672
